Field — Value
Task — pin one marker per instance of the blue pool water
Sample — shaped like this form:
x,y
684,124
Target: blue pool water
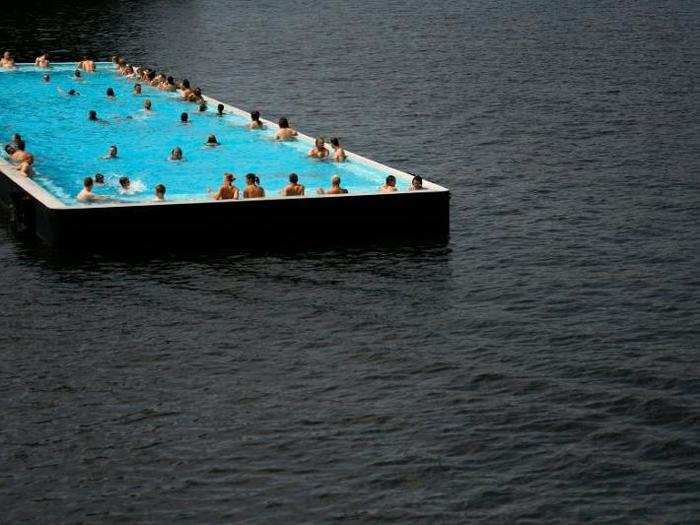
x,y
67,147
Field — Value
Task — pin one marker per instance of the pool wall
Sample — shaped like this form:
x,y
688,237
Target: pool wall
x,y
289,220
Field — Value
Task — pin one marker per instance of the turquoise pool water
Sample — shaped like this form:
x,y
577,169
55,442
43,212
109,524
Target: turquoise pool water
x,y
67,147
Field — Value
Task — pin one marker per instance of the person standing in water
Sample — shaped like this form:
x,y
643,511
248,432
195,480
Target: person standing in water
x,y
87,64
176,153
293,189
255,122
335,188
227,191
285,132
389,185
253,189
42,60
160,193
416,183
338,152
319,151
86,194
7,61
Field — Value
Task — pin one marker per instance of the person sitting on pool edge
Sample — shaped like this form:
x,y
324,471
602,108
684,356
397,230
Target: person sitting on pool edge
x,y
220,110
184,117
338,152
211,141
42,60
137,89
255,122
176,153
86,194
416,183
335,188
293,189
252,189
285,132
227,191
7,61
319,151
87,64
389,185
160,193
111,153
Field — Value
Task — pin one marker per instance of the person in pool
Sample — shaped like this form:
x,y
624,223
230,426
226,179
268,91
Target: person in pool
x,y
285,132
19,155
389,185
255,122
86,194
42,60
111,153
176,153
87,64
77,74
125,184
184,118
72,93
220,110
293,189
17,139
169,85
160,193
92,116
319,151
338,152
147,105
416,183
202,107
185,89
99,179
7,61
227,191
335,188
253,190
46,78
110,93
137,89
211,141
25,167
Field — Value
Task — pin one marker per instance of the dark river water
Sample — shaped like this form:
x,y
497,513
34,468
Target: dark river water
x,y
541,366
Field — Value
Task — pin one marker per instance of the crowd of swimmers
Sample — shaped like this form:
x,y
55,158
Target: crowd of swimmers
x,y
16,149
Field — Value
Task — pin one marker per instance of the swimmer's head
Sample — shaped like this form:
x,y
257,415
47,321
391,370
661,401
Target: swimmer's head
x,y
77,73
228,177
391,180
46,78
176,153
320,142
72,92
147,104
335,142
110,92
220,109
99,178
202,107
88,182
335,180
10,149
417,182
160,191
170,80
184,117
283,122
255,116
293,178
211,139
251,178
6,55
112,151
197,92
185,84
137,88
92,115
124,182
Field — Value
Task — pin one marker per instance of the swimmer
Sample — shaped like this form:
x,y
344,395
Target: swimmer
x,y
176,153
293,189
46,78
255,122
7,61
319,151
72,92
77,74
338,152
211,141
110,93
87,64
389,185
184,117
18,154
25,167
220,110
137,89
285,132
335,188
416,183
227,191
86,194
252,189
99,179
160,193
202,107
125,184
42,60
92,115
111,153
147,105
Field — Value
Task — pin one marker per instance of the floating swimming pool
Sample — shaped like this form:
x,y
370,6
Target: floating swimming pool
x,y
68,147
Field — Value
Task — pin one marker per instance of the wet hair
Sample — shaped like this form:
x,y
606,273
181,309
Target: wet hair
x,y
110,92
202,107
294,178
137,85
77,73
255,116
251,177
113,147
283,122
198,92
176,152
99,178
16,137
185,84
124,182
88,182
160,189
184,117
147,104
391,178
46,78
335,142
418,179
335,180
212,139
220,109
92,115
72,92
170,80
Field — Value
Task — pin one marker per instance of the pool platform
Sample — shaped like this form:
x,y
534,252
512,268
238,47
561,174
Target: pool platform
x,y
270,221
